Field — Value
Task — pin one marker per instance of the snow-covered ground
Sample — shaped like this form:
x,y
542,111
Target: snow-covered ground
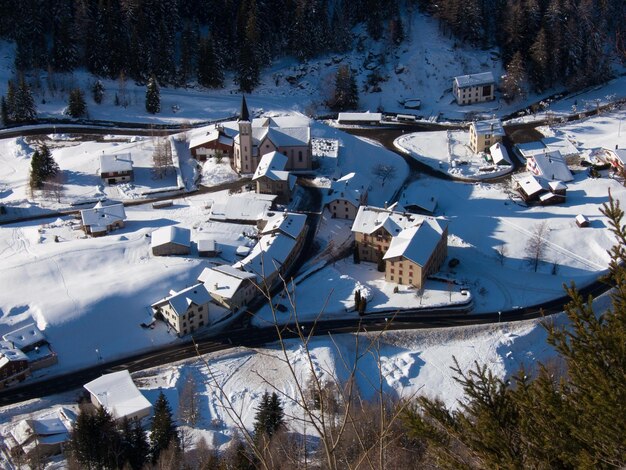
x,y
449,152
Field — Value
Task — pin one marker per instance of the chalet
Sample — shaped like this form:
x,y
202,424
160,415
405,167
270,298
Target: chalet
x,y
229,287
549,165
32,342
346,195
245,208
42,436
475,88
171,240
499,154
483,134
116,168
271,178
411,247
14,365
537,189
218,141
101,219
261,136
370,119
187,310
119,396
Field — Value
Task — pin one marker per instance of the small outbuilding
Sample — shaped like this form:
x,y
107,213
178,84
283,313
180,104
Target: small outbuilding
x,y
171,240
582,221
207,248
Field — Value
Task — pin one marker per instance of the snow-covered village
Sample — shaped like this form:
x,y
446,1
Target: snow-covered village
x,y
341,257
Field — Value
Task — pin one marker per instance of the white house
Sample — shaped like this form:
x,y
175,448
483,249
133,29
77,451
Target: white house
x,y
101,219
171,240
228,286
550,165
474,88
119,396
271,178
483,134
346,195
499,154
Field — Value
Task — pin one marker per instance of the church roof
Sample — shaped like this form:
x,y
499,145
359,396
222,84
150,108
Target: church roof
x,y
244,115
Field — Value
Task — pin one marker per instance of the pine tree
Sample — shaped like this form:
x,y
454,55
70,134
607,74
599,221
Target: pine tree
x,y
210,73
163,432
357,299
134,444
4,112
11,102
569,418
514,80
97,91
76,106
24,110
95,441
270,416
346,95
153,97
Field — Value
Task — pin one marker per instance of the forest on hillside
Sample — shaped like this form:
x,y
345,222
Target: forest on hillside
x,y
180,42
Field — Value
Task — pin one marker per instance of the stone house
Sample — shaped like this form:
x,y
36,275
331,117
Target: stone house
x,y
271,178
172,240
483,134
474,88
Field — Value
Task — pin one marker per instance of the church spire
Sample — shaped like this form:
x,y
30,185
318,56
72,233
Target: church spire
x,y
244,115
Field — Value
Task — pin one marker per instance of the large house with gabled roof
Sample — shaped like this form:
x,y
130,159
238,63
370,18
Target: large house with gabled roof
x,y
346,195
411,247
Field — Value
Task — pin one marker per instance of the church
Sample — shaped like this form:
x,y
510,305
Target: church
x,y
290,136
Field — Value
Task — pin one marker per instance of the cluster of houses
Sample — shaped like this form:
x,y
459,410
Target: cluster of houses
x,y
225,289
23,351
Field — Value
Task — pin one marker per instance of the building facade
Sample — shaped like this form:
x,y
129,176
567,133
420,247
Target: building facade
x,y
116,168
474,88
484,134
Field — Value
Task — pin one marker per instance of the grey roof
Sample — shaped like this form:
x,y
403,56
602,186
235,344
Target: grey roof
x,y
25,336
272,166
289,223
116,163
100,216
417,243
369,219
475,79
489,126
244,114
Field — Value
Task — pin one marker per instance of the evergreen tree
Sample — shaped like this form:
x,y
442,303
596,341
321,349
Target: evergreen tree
x,y
346,94
270,416
134,444
24,109
42,167
514,80
94,440
163,432
210,73
357,299
4,112
76,106
153,97
10,102
97,91
571,419
540,61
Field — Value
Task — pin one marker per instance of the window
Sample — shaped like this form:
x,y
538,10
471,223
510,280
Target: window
x,y
400,272
300,156
392,278
200,308
392,270
201,324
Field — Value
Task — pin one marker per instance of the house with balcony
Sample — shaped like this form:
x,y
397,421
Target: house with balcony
x,y
116,168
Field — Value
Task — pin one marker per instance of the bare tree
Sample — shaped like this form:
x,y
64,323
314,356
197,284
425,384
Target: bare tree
x,y
53,187
384,172
161,157
536,246
188,406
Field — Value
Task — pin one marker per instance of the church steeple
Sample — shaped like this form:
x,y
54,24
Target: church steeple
x,y
244,115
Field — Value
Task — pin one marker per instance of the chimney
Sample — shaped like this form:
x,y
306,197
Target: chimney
x,y
216,286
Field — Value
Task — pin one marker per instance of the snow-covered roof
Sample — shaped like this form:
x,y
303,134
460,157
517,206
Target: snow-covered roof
x,y
562,145
171,234
287,136
581,219
417,243
268,255
489,126
369,219
531,184
224,281
206,244
9,353
475,79
557,185
289,223
528,149
618,155
25,336
214,135
117,393
350,187
272,166
359,117
116,163
181,301
550,165
246,206
499,154
101,216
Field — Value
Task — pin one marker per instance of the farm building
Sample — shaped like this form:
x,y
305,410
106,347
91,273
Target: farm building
x,y
217,141
245,208
119,396
207,248
171,241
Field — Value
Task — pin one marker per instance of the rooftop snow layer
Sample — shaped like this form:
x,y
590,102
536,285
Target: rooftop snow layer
x,y
25,336
476,79
171,234
117,393
116,163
